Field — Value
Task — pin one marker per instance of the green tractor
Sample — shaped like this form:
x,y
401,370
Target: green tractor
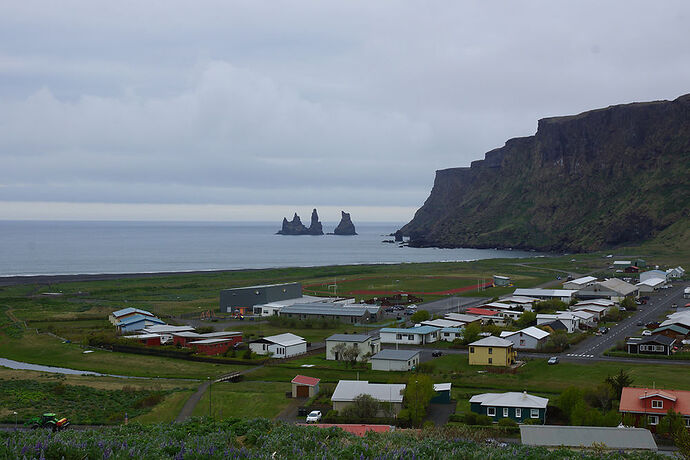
x,y
47,420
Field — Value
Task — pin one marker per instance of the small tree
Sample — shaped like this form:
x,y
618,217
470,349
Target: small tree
x,y
351,354
619,381
338,351
364,406
558,340
629,304
418,394
419,316
471,333
526,319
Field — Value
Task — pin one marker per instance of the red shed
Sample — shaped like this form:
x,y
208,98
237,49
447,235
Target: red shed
x,y
213,346
150,340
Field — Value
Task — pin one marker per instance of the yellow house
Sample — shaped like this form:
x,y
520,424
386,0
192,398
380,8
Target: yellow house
x,y
492,351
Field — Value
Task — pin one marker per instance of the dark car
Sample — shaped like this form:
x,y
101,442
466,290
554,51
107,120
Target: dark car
x,y
436,353
603,330
640,323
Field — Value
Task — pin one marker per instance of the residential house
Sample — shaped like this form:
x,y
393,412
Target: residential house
x,y
530,338
492,351
449,334
651,345
418,335
487,315
679,333
578,437
597,310
571,322
653,404
587,319
304,387
117,316
364,343
564,295
514,405
677,272
391,395
395,360
136,323
554,325
441,323
279,346
579,283
519,301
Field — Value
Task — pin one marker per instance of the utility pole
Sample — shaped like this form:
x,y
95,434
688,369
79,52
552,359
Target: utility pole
x,y
210,394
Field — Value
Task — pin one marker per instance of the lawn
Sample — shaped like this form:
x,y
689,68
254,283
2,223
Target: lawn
x,y
244,400
167,410
46,350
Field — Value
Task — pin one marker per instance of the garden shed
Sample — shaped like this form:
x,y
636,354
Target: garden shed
x,y
305,387
441,393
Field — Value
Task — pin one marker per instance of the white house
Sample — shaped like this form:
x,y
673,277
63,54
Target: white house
x,y
564,295
279,346
441,323
579,283
522,301
529,338
571,322
395,360
449,334
596,310
418,335
586,318
390,394
677,272
651,274
651,284
364,343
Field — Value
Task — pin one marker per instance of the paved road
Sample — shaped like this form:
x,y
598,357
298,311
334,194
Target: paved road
x,y
655,310
451,304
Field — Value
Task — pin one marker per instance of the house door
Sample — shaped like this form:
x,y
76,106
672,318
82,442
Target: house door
x,y
302,391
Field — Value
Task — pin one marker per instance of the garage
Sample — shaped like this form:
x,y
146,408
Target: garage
x,y
305,387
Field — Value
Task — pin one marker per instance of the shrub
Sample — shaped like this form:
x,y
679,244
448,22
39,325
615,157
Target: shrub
x,y
507,422
471,418
484,420
428,425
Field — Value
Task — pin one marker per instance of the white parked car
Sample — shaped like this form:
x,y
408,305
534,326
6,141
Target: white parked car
x,y
314,416
646,332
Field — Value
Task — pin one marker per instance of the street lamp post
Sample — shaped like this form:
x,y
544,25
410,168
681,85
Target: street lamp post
x,y
15,420
210,397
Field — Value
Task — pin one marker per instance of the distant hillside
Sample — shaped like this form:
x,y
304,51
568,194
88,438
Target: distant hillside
x,y
600,179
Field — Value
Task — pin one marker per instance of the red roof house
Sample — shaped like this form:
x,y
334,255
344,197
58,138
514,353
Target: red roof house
x,y
654,404
304,387
481,312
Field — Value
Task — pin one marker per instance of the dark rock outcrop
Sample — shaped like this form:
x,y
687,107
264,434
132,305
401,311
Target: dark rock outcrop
x,y
345,227
599,179
296,227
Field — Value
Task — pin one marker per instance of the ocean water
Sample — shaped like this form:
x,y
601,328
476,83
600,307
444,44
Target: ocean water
x,y
48,248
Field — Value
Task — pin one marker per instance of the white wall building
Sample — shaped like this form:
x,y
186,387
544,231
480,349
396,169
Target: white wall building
x,y
347,390
364,342
530,338
395,360
279,346
419,335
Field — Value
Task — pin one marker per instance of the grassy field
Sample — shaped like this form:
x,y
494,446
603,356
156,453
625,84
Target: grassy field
x,y
244,400
46,350
167,410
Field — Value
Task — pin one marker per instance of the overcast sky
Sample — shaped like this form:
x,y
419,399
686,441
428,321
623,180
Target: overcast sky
x,y
253,110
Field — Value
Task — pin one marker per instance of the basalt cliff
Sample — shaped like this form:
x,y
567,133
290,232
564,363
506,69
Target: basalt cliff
x,y
296,227
600,179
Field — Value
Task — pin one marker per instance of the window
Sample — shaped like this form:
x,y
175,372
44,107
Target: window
x,y
522,341
657,404
491,360
534,413
398,336
518,412
491,411
505,411
491,351
471,349
653,419
687,421
410,337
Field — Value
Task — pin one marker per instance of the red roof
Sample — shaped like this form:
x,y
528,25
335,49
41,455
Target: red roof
x,y
639,400
481,311
304,380
358,430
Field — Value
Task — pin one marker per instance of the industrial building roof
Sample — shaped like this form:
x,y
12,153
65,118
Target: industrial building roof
x,y
583,280
601,302
619,286
587,436
492,342
128,310
536,292
411,330
137,318
395,355
324,309
356,338
510,399
518,299
461,317
652,282
167,329
296,300
348,390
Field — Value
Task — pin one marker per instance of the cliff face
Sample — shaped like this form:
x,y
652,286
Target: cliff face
x,y
599,179
296,227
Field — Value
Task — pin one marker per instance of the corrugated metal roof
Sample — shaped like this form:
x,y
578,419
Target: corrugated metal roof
x,y
395,355
442,323
536,292
587,436
583,280
167,328
348,390
211,341
411,330
492,342
356,338
510,399
442,386
324,309
461,317
137,318
531,331
286,339
128,310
